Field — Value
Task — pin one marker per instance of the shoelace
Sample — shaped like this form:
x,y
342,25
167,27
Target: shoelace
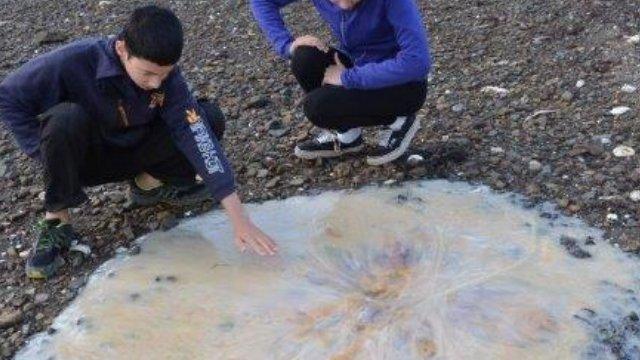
x,y
326,136
384,137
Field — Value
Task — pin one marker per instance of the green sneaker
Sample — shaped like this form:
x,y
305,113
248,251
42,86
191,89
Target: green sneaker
x,y
54,238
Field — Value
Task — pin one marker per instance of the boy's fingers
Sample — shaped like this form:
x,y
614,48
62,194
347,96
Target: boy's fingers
x,y
337,59
321,46
260,244
308,40
241,245
257,247
265,245
272,244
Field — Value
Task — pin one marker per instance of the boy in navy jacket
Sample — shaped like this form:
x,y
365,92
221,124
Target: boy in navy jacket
x,y
105,110
377,77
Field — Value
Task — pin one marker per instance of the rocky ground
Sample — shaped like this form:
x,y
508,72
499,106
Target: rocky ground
x,y
521,99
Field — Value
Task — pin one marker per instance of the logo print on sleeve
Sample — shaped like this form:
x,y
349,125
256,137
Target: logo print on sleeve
x,y
204,143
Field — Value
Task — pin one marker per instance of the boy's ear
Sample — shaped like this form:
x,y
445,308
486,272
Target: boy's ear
x,y
121,49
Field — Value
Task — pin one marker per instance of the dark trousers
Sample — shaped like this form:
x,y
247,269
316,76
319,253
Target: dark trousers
x,y
338,108
75,155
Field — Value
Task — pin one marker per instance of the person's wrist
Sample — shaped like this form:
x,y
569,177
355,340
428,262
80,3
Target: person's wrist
x,y
234,208
241,220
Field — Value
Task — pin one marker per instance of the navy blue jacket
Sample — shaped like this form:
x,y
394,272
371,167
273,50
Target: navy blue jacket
x,y
386,39
89,73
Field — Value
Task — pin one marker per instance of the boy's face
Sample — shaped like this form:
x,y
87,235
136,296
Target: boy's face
x,y
145,74
345,4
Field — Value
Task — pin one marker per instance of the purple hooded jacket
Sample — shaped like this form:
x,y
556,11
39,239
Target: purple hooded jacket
x,y
386,39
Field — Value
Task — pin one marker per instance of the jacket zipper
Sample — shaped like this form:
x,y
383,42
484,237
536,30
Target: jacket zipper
x,y
123,114
342,30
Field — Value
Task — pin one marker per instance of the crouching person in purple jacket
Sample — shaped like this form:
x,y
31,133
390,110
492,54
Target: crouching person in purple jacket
x,y
105,110
377,77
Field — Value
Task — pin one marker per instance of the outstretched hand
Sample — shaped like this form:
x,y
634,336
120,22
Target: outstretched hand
x,y
249,236
246,234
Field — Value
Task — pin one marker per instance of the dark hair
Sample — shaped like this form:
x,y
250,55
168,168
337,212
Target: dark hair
x,y
154,34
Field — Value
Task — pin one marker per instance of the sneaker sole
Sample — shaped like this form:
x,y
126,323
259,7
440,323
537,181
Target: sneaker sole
x,y
193,199
44,272
325,154
395,154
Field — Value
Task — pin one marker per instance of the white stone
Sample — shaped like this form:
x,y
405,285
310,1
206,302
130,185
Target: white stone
x,y
41,298
604,139
580,83
535,165
612,217
635,39
262,173
495,90
458,108
496,150
540,112
628,88
635,195
619,110
415,159
623,151
609,198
